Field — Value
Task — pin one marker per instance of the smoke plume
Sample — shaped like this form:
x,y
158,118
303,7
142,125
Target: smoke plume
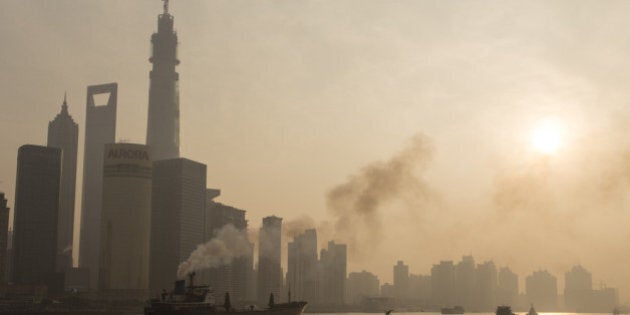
x,y
229,243
359,205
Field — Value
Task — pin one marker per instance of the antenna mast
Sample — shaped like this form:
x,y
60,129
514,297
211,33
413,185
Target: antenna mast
x,y
165,6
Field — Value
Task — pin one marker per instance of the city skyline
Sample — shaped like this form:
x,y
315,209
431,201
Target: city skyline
x,y
272,92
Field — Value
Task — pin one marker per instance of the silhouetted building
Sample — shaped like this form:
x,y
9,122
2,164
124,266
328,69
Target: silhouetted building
x,y
163,122
465,283
4,239
235,277
361,285
126,218
178,217
302,267
387,290
578,289
420,289
334,261
443,284
100,129
36,211
486,287
507,291
63,133
269,259
541,289
401,281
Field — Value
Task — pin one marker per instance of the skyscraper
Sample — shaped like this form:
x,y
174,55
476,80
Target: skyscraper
x,y
100,129
302,267
465,283
541,288
163,122
485,286
4,238
333,281
507,291
269,259
578,289
36,214
443,284
235,277
401,281
126,218
178,217
63,133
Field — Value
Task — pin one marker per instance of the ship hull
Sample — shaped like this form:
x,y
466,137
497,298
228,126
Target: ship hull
x,y
295,308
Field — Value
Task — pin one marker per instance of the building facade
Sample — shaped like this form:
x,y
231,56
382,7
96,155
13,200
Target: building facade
x,y
100,129
235,277
126,218
269,259
541,289
4,239
334,261
36,215
507,283
63,133
361,285
163,121
178,217
302,267
401,281
443,284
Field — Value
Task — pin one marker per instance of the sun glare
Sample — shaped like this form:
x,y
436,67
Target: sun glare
x,y
547,136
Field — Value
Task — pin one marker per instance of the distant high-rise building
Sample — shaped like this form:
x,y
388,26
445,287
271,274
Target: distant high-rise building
x,y
507,291
63,133
420,289
269,259
578,289
334,261
302,267
178,219
4,238
361,285
486,287
541,289
401,281
100,129
443,284
126,218
36,216
163,122
465,283
235,277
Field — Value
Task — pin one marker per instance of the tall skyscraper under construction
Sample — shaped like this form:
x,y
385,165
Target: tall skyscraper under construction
x,y
100,129
163,122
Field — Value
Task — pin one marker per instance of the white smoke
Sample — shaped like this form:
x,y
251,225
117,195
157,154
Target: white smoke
x,y
229,243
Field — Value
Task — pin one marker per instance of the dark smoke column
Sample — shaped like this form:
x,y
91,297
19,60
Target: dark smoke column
x,y
163,123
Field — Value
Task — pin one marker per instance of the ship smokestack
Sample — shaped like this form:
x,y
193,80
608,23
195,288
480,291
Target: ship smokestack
x,y
191,279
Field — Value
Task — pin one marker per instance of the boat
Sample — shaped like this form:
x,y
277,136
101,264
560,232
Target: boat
x,y
452,310
197,300
504,310
532,311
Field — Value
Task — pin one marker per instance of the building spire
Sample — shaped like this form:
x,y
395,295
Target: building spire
x,y
165,6
64,106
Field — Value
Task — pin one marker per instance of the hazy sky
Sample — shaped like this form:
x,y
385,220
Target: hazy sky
x,y
288,101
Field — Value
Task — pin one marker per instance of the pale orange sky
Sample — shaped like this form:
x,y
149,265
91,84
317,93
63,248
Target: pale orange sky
x,y
284,100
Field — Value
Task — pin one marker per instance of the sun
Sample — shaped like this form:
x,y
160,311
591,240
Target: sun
x,y
547,136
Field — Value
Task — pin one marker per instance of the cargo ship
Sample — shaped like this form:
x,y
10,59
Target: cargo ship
x,y
196,300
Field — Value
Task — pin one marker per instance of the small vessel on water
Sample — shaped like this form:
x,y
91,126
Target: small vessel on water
x,y
195,300
453,310
532,311
504,310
